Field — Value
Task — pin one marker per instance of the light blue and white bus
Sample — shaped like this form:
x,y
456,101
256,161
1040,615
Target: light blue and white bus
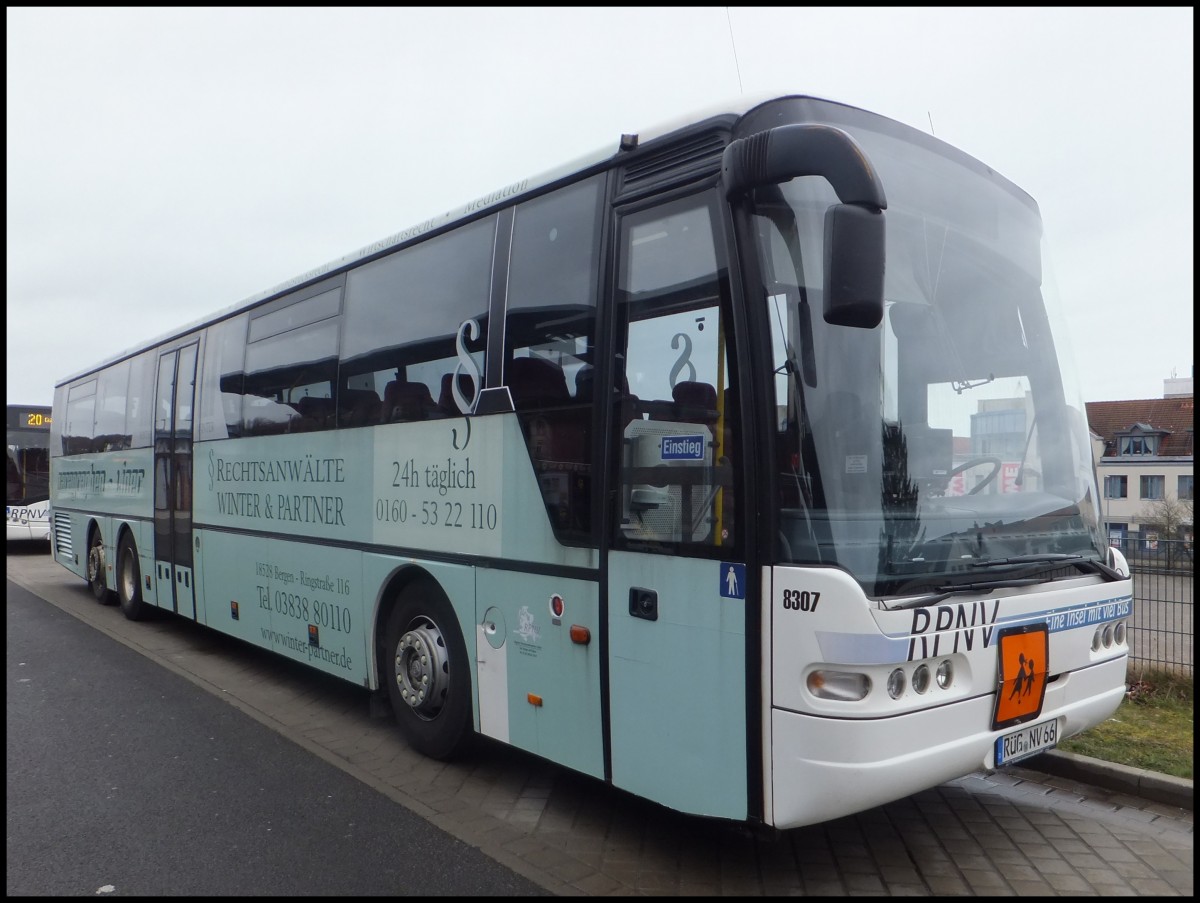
x,y
740,466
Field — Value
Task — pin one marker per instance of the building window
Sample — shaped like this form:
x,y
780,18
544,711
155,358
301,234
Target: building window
x,y
1152,487
1116,487
1139,445
1185,487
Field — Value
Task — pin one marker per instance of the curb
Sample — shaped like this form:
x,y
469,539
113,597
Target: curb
x,y
1150,785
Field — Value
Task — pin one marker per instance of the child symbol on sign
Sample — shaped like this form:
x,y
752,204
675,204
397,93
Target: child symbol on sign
x,y
1019,681
1029,680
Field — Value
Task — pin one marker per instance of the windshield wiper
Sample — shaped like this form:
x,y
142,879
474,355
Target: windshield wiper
x,y
1058,559
945,592
1027,559
961,385
1030,568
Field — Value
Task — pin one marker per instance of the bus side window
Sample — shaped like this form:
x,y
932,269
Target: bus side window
x,y
676,417
549,346
291,363
81,413
417,315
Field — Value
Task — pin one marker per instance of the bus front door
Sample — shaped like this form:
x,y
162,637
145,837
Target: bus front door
x,y
173,480
677,600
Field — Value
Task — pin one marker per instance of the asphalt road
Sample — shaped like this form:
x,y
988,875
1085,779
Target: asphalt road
x,y
302,778
125,779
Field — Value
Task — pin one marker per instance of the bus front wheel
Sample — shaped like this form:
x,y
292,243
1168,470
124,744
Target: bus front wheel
x,y
129,581
427,672
97,565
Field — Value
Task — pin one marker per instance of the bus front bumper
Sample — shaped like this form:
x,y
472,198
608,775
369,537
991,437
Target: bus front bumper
x,y
822,768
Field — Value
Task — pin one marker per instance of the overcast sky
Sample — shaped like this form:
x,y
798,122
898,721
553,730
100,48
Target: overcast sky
x,y
164,164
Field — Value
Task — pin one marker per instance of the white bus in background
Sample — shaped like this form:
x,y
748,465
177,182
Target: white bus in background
x,y
27,508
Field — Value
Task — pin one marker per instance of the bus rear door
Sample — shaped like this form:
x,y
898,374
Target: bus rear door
x,y
174,404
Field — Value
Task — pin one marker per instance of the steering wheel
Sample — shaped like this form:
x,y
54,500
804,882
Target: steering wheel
x,y
975,462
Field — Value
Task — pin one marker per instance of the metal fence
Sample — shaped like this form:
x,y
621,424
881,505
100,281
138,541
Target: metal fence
x,y
1160,632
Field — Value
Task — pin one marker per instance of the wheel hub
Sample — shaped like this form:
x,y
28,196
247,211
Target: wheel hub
x,y
422,669
95,562
128,580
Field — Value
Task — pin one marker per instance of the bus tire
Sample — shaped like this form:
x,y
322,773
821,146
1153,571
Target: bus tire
x,y
97,566
427,672
129,581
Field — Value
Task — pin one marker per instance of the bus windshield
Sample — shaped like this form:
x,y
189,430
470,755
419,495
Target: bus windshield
x,y
933,450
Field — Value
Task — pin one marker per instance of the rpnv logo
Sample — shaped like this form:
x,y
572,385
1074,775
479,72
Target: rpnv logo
x,y
683,448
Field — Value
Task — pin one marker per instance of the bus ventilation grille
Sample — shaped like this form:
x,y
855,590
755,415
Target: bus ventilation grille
x,y
699,156
62,534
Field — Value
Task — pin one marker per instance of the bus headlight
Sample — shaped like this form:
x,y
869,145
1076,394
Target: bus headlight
x,y
895,684
1108,636
920,680
1096,639
945,674
1119,633
848,686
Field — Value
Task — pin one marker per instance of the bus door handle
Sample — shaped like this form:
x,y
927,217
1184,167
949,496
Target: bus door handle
x,y
643,603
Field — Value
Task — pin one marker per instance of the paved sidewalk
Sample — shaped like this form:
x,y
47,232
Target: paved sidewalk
x,y
1150,785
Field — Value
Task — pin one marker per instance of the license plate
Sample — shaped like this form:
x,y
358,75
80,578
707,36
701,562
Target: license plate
x,y
1027,741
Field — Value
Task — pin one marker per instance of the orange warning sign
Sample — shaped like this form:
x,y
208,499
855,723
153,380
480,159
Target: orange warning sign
x,y
1023,665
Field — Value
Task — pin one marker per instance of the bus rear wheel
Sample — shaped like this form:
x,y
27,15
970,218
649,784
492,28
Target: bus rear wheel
x,y
97,565
129,581
427,672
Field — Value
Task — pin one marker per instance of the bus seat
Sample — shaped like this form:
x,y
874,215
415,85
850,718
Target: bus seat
x,y
585,384
585,393
315,414
535,382
403,401
446,401
557,426
359,407
694,402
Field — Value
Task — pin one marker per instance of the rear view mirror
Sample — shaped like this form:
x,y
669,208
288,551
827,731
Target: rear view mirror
x,y
854,264
854,229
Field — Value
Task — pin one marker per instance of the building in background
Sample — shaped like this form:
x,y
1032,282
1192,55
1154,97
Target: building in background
x,y
1144,460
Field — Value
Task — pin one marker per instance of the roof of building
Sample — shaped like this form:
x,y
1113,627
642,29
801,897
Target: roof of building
x,y
1172,416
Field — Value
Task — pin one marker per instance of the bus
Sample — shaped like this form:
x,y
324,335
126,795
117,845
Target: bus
x,y
740,465
27,510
